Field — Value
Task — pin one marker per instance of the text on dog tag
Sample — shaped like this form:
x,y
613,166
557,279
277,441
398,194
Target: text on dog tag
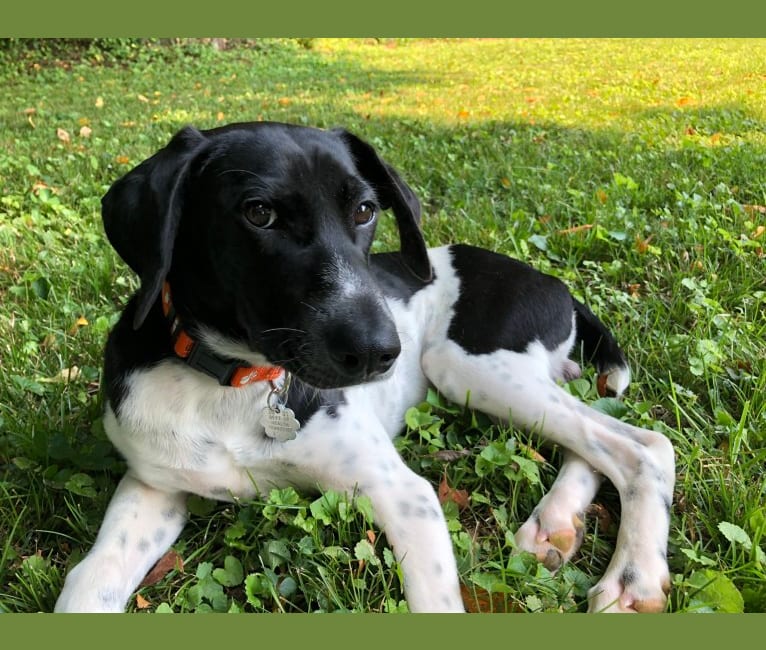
x,y
280,423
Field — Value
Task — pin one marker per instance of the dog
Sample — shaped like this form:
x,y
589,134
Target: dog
x,y
266,347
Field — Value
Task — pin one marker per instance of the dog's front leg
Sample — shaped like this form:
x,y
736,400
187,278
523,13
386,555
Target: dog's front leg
x,y
139,526
404,504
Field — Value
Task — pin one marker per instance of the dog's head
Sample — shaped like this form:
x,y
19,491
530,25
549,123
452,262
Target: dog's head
x,y
263,231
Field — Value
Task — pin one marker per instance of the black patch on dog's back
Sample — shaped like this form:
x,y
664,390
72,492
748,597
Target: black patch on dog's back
x,y
505,304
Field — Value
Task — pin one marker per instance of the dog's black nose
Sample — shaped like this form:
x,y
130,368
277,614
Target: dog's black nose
x,y
361,355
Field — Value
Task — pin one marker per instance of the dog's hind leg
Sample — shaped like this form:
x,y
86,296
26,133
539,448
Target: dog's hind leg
x,y
555,529
139,526
639,462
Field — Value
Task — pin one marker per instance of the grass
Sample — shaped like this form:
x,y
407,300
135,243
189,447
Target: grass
x,y
633,170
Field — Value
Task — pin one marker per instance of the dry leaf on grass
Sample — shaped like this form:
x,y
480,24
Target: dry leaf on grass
x,y
167,563
142,603
447,493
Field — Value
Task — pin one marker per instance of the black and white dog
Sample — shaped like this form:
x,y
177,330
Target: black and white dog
x,y
266,347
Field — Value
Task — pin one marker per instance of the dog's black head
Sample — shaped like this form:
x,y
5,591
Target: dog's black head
x,y
263,231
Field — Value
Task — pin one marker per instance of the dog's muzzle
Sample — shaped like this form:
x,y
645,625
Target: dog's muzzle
x,y
361,356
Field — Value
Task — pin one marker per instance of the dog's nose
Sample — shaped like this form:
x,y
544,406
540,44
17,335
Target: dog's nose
x,y
358,356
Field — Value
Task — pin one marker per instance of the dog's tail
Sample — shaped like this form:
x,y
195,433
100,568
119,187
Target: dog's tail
x,y
600,348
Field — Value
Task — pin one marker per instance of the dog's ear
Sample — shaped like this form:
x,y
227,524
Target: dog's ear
x,y
393,193
141,212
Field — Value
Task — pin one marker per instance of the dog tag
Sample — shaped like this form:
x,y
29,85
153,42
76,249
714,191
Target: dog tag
x,y
279,423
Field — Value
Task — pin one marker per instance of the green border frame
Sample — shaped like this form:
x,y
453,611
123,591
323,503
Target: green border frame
x,y
593,18
367,631
400,18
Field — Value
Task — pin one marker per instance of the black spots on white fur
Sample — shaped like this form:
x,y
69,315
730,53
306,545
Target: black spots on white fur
x,y
170,513
159,535
110,598
407,510
143,545
630,574
438,568
122,539
631,492
350,460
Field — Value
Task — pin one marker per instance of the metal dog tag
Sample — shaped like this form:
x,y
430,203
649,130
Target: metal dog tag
x,y
279,423
278,420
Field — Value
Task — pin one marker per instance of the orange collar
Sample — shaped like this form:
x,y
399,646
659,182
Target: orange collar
x,y
226,371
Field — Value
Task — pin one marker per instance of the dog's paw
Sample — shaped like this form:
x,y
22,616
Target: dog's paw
x,y
568,371
630,590
551,537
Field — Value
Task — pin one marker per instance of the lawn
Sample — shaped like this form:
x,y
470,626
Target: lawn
x,y
633,170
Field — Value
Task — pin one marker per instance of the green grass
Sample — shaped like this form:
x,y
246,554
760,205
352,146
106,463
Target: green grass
x,y
633,170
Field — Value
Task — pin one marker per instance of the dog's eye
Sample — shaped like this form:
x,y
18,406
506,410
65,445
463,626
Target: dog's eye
x,y
260,215
364,214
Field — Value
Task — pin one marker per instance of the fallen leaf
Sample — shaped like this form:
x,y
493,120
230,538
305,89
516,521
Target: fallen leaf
x,y
63,377
142,98
576,229
63,135
30,111
715,138
684,101
505,182
49,342
532,453
446,493
752,209
480,601
284,101
462,115
220,116
85,131
99,102
634,289
167,563
758,232
80,322
690,130
122,160
141,602
601,196
371,536
642,245
601,514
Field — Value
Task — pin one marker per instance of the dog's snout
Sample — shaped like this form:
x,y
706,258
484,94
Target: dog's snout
x,y
362,354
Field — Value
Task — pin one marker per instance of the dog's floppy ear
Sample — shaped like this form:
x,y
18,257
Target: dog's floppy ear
x,y
393,193
141,212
